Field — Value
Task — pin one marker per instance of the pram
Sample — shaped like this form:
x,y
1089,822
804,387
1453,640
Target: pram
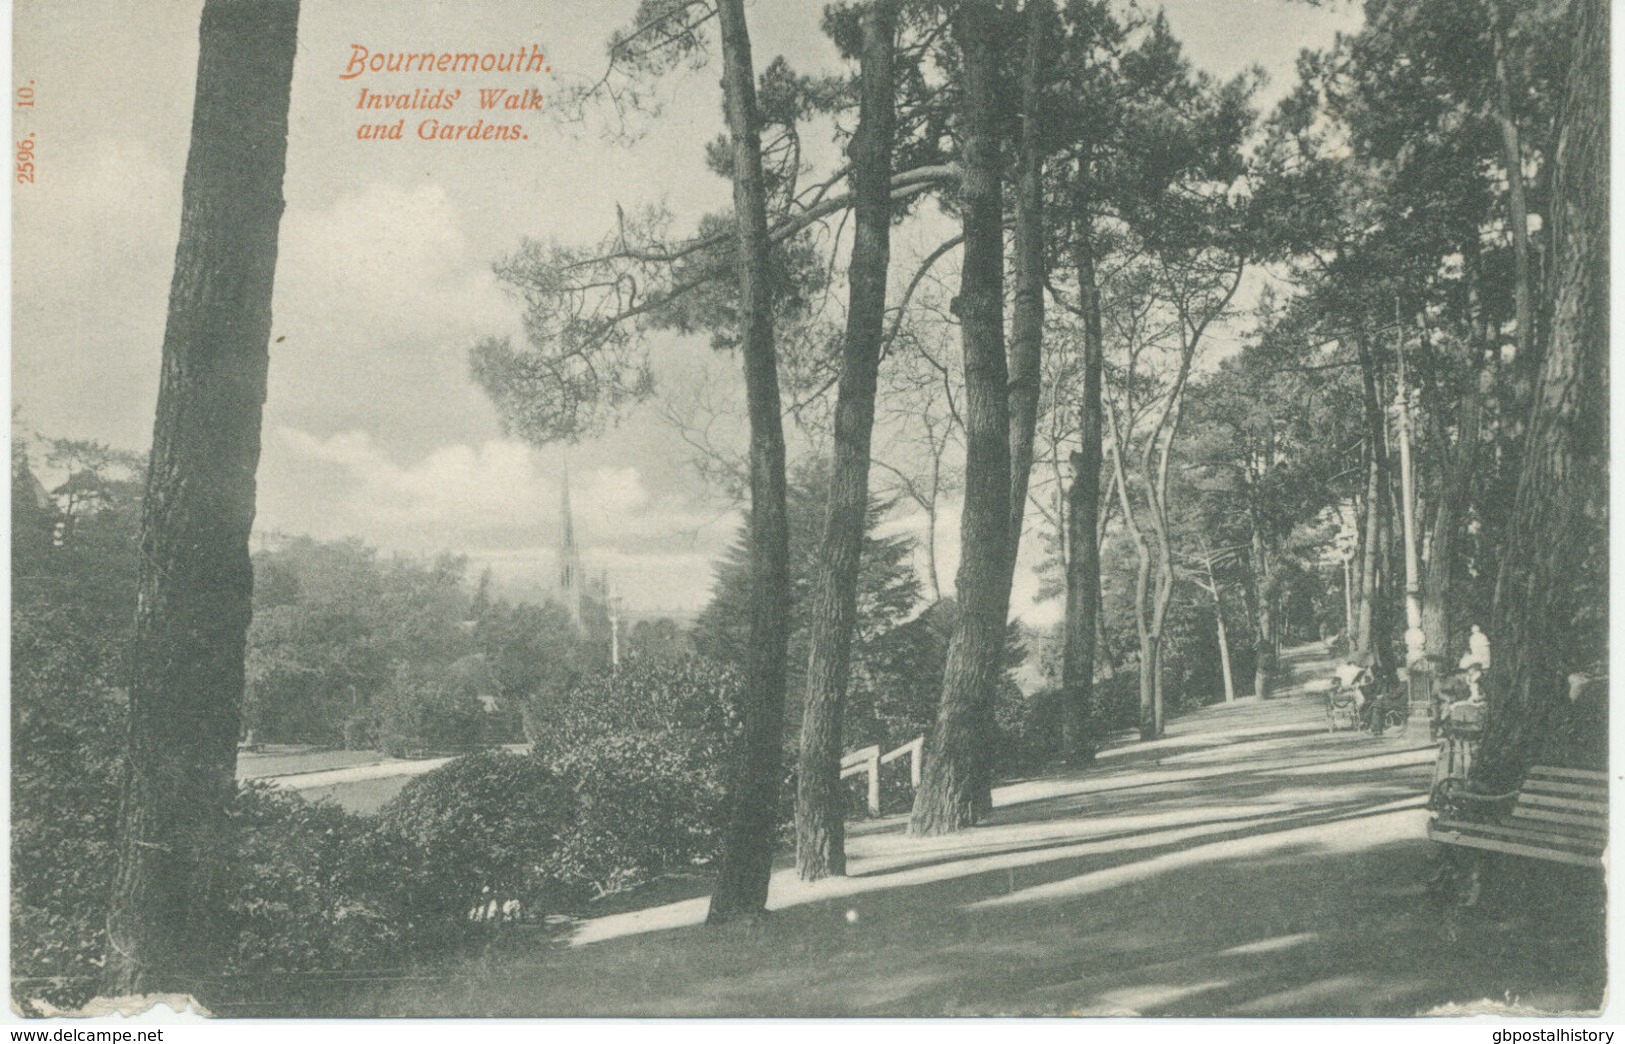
x,y
1342,710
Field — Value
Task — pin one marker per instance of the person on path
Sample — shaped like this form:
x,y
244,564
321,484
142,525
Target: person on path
x,y
1356,678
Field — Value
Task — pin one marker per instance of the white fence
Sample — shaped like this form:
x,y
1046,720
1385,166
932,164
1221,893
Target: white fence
x,y
869,759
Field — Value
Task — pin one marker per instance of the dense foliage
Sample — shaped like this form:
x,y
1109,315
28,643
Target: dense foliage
x,y
73,571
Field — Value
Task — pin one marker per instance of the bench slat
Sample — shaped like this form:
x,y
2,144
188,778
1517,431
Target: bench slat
x,y
1591,841
1589,775
1577,789
1557,786
1497,845
1551,801
1548,816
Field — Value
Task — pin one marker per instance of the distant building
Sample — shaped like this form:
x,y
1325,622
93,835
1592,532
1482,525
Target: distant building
x,y
572,587
567,591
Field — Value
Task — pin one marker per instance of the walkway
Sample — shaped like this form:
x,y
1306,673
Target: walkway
x,y
1250,863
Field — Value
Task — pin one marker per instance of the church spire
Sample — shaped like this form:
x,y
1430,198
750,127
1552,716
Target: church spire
x,y
571,579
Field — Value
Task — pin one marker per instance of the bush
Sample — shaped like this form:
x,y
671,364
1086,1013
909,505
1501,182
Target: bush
x,y
691,705
647,749
66,774
303,895
486,828
1027,730
647,805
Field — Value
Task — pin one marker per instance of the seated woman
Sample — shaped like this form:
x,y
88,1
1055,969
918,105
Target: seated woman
x,y
1355,679
1462,724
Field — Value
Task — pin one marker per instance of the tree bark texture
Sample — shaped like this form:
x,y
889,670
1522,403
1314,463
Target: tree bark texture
x,y
1031,273
820,797
745,861
195,580
956,749
1550,615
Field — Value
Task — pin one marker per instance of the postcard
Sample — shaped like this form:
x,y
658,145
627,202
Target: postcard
x,y
704,509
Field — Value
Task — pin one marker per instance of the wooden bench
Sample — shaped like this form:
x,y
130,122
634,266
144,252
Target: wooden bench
x,y
1559,815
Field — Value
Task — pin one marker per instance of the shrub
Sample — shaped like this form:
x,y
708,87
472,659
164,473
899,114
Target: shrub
x,y
66,772
647,749
302,897
648,805
1027,730
692,704
486,828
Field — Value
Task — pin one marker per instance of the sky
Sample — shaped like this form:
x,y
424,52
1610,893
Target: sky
x,y
384,280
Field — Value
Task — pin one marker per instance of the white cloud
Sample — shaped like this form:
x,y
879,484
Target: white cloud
x,y
384,267
497,501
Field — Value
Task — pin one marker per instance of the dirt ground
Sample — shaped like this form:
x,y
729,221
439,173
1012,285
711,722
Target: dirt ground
x,y
1251,863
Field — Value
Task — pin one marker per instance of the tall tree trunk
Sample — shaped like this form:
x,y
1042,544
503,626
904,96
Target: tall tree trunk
x,y
1026,346
195,579
1372,637
1551,597
745,861
1383,613
1163,595
1348,605
1362,506
820,798
1078,738
1264,626
955,754
1438,622
1218,618
1027,314
1142,586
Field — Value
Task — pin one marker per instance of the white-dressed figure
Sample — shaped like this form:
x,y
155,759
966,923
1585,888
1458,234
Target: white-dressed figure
x,y
1478,649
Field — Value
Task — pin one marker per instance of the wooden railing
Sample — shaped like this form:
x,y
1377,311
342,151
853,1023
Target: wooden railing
x,y
867,760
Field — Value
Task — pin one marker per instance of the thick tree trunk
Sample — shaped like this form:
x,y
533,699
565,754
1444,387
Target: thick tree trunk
x,y
1551,597
820,797
955,753
196,582
745,861
1383,613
